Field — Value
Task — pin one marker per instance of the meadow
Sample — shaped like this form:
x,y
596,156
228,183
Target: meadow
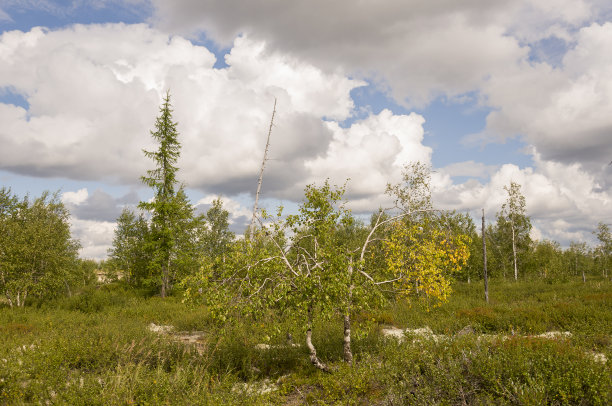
x,y
99,347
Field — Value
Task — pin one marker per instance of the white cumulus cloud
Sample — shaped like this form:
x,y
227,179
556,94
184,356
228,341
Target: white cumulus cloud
x,y
76,198
94,91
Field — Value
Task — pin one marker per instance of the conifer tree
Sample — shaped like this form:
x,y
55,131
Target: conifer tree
x,y
166,206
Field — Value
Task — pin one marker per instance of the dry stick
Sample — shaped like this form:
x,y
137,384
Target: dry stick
x,y
514,250
263,164
484,258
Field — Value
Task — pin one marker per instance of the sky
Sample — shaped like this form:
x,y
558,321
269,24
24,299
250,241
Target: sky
x,y
486,92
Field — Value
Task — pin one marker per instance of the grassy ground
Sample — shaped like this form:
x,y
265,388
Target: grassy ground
x,y
96,348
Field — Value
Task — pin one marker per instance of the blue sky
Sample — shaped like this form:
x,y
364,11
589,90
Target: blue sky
x,y
483,93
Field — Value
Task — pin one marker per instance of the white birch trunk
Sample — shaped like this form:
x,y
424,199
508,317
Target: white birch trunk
x,y
484,259
514,252
311,348
261,171
348,353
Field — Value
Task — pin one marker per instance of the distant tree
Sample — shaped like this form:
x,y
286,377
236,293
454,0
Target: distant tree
x,y
546,259
514,221
215,236
604,249
578,251
130,253
38,257
84,274
499,248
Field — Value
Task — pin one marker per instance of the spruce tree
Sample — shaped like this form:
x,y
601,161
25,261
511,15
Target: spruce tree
x,y
166,206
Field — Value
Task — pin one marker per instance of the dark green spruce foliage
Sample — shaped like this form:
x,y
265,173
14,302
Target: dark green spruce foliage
x,y
166,207
158,249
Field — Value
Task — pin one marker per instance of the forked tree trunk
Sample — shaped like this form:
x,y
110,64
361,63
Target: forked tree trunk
x,y
16,300
313,352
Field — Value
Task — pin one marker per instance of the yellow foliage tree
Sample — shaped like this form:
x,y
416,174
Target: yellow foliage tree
x,y
421,257
421,248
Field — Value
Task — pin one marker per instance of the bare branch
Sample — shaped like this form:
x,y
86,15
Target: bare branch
x,y
263,164
260,288
380,223
388,281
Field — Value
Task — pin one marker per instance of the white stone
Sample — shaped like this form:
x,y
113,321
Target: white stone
x,y
393,332
551,335
160,329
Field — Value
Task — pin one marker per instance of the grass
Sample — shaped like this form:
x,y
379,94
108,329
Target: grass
x,y
96,348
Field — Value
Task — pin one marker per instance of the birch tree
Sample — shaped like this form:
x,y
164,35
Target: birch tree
x,y
130,253
514,219
318,261
578,251
37,252
215,237
604,249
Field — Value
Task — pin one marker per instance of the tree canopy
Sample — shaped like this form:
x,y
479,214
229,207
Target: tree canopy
x,y
37,253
